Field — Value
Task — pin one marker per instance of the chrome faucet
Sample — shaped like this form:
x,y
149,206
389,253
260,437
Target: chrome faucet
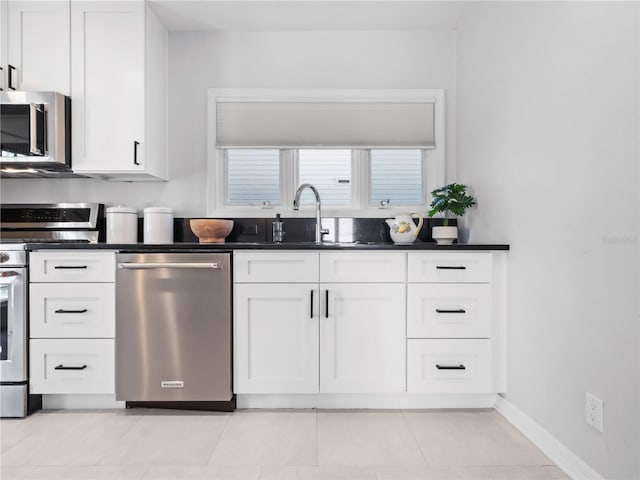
x,y
296,205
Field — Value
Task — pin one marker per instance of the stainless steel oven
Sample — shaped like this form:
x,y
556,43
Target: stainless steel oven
x,y
35,133
15,400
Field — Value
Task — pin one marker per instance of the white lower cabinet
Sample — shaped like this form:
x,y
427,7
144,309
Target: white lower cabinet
x,y
349,323
362,338
71,365
276,338
72,322
449,366
318,336
450,323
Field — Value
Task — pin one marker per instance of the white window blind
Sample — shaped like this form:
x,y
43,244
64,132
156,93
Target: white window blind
x,y
253,176
299,124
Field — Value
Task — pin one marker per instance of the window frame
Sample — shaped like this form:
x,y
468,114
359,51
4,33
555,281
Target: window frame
x,y
433,162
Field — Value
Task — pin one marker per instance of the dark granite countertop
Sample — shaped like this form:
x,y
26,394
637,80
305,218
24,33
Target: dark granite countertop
x,y
203,247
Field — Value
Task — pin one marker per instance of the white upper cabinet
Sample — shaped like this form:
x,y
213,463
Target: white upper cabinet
x,y
35,46
119,90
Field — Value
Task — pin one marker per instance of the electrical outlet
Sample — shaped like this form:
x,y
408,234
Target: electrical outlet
x,y
594,412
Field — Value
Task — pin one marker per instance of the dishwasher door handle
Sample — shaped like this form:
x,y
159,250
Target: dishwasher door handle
x,y
151,266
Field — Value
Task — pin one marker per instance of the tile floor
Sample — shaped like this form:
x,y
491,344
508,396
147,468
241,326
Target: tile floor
x,y
273,444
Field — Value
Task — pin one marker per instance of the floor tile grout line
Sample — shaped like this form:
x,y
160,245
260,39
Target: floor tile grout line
x,y
404,417
124,434
317,438
224,429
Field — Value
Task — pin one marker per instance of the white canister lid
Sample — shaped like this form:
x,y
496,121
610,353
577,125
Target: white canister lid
x,y
121,209
157,210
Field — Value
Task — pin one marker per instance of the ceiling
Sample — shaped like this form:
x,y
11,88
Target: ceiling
x,y
277,15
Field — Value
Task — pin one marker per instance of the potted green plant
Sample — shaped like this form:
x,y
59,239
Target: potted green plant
x,y
449,201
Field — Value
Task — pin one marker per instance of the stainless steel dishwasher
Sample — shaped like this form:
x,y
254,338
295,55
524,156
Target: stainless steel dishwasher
x,y
173,330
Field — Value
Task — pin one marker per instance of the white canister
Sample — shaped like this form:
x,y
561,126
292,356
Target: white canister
x,y
158,225
122,225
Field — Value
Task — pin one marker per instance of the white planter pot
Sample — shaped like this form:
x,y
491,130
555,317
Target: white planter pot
x,y
444,235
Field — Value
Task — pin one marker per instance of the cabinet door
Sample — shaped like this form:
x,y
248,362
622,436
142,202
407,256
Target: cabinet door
x,y
107,73
3,44
276,338
362,338
38,46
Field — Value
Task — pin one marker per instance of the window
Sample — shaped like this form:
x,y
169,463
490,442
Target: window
x,y
329,171
252,177
368,152
396,176
356,179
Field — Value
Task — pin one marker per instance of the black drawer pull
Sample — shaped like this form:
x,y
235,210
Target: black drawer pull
x,y
62,310
451,367
326,304
450,267
459,310
62,367
70,267
311,316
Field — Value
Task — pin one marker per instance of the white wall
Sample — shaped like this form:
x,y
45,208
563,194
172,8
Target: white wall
x,y
547,134
303,59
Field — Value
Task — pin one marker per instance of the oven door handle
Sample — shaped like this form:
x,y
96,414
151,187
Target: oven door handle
x,y
10,275
151,266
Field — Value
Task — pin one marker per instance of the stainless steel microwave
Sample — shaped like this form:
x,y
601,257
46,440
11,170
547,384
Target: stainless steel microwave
x,y
35,134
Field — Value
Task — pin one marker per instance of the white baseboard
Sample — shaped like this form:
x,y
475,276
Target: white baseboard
x,y
564,458
364,401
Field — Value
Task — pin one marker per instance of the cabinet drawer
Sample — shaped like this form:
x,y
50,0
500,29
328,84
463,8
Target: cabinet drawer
x,y
72,366
72,266
448,310
450,267
72,310
362,267
276,267
449,366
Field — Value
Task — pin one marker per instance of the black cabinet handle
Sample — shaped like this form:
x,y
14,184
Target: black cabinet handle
x,y
451,367
62,367
460,310
311,304
70,267
10,82
135,152
448,267
326,303
1,89
62,310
